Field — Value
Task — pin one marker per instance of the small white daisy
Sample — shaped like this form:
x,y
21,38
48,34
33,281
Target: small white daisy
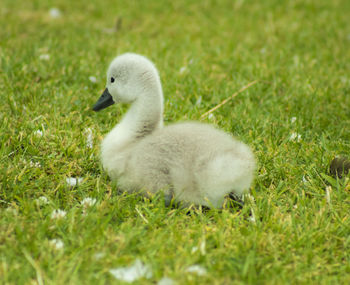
x,y
34,164
42,200
295,137
38,133
56,244
88,202
58,214
293,119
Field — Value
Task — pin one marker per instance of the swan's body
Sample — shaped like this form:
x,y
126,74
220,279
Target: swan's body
x,y
191,162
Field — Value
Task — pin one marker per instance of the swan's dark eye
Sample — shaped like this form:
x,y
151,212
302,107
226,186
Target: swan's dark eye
x,y
112,79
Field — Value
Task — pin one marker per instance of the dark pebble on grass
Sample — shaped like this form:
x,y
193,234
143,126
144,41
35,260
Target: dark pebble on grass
x,y
339,167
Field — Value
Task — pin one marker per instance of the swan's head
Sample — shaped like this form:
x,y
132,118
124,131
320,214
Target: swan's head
x,y
128,77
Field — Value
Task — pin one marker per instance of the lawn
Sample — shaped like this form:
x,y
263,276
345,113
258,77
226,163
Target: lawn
x,y
295,226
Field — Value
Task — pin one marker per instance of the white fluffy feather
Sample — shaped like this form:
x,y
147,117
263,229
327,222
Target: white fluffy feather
x,y
191,162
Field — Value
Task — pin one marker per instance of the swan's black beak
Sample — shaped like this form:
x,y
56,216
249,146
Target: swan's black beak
x,y
105,100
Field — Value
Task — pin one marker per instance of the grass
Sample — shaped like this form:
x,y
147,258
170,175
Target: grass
x,y
299,53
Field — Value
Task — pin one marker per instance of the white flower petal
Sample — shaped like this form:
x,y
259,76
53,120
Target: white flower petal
x,y
202,247
44,56
55,13
293,119
199,270
252,217
38,133
199,101
194,249
88,202
295,137
182,69
93,79
56,244
72,181
89,138
328,194
34,164
133,272
305,180
58,214
42,200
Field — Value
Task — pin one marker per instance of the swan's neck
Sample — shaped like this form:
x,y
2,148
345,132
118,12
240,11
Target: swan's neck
x,y
144,116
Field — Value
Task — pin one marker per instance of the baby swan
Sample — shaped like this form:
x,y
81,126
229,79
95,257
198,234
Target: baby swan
x,y
191,162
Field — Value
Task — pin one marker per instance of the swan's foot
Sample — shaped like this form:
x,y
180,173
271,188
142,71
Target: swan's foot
x,y
235,201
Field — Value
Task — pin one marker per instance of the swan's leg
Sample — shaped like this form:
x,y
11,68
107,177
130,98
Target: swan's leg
x,y
168,197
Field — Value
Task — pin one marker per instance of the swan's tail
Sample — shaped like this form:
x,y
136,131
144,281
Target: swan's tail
x,y
210,179
226,173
